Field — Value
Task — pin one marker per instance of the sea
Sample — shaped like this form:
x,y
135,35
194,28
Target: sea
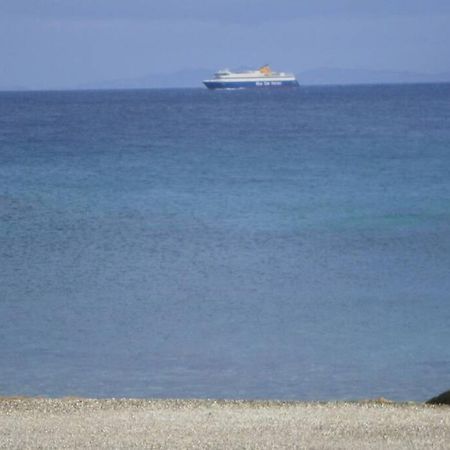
x,y
266,244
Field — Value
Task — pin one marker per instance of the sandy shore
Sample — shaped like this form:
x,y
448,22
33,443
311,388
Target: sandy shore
x,y
89,423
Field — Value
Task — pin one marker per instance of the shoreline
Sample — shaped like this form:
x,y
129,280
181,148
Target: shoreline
x,y
37,422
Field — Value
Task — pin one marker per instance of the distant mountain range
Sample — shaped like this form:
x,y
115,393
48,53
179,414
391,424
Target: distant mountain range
x,y
13,88
322,76
361,76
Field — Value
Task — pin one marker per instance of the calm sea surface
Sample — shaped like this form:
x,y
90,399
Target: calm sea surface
x,y
186,243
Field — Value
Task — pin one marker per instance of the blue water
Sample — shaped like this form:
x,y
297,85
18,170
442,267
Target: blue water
x,y
187,243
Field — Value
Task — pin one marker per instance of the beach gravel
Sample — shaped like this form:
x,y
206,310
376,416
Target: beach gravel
x,y
28,423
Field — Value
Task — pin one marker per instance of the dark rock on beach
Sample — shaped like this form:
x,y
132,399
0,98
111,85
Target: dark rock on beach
x,y
442,399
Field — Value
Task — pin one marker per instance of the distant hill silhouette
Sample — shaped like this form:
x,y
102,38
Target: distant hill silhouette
x,y
13,88
322,76
361,76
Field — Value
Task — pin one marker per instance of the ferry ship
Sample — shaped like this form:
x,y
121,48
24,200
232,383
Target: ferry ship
x,y
261,78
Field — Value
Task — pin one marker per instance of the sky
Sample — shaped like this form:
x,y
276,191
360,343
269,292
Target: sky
x,y
65,43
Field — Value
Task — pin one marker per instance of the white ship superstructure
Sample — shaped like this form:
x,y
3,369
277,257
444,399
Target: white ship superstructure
x,y
263,77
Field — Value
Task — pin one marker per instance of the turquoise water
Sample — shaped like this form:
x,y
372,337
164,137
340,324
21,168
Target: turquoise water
x,y
187,243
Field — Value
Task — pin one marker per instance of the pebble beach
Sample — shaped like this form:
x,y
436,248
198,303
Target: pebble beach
x,y
126,423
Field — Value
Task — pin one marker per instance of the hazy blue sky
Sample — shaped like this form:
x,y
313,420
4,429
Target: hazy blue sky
x,y
54,43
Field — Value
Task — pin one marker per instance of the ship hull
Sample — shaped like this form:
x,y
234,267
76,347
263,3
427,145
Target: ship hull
x,y
245,84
